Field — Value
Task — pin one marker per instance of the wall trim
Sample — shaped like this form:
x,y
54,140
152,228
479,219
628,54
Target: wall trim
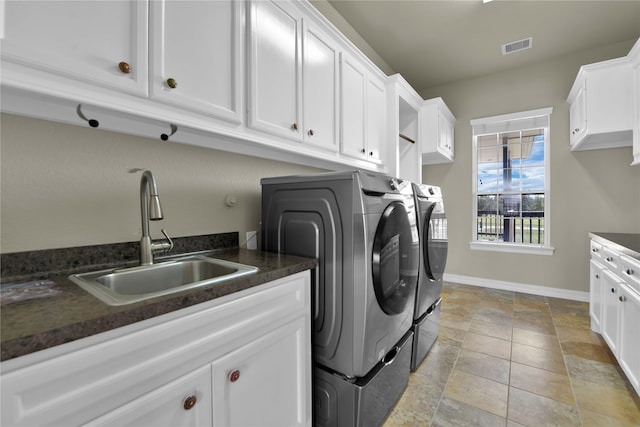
x,y
517,287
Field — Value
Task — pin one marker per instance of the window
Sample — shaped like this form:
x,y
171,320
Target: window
x,y
511,182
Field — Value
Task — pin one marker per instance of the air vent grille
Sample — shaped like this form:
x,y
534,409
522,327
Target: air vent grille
x,y
516,46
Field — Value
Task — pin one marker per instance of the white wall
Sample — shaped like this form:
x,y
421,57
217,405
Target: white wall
x,y
66,186
590,190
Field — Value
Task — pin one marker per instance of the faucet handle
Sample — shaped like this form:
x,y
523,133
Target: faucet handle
x,y
169,239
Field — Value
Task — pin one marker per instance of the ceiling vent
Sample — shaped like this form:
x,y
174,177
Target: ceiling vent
x,y
517,46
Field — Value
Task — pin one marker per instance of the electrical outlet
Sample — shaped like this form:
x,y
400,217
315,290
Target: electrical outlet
x,y
252,240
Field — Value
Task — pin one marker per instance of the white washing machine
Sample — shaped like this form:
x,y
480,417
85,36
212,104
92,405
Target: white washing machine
x,y
361,226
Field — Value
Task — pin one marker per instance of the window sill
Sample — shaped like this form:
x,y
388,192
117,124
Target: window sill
x,y
513,248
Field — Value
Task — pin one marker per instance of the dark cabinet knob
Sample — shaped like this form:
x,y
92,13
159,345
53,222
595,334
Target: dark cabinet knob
x,y
234,376
172,83
189,402
124,67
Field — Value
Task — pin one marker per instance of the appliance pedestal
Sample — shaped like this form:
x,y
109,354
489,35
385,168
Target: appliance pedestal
x,y
366,401
425,330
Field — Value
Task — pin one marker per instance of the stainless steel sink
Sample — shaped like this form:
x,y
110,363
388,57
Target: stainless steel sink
x,y
128,285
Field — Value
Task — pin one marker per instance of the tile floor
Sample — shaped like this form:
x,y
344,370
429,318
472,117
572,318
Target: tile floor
x,y
510,359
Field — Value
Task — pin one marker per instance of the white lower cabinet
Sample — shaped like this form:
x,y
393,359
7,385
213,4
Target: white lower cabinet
x,y
261,384
595,290
242,361
610,310
629,347
614,305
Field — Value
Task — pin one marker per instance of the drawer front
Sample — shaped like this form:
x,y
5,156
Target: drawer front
x,y
610,258
630,271
596,250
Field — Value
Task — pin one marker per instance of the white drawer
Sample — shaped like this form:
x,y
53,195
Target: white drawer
x,y
610,258
630,271
596,250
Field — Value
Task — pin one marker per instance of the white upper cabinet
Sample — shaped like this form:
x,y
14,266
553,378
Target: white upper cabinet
x,y
293,77
436,132
363,124
196,56
320,88
601,110
376,120
97,42
275,77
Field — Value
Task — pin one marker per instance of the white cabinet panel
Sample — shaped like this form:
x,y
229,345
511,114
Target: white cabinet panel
x,y
184,402
320,96
610,309
436,132
198,44
83,40
269,376
364,115
275,73
629,348
601,106
353,89
376,120
596,295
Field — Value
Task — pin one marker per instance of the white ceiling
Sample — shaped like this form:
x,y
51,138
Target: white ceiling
x,y
438,42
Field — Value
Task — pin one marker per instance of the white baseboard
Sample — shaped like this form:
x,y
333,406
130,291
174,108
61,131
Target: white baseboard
x,y
517,287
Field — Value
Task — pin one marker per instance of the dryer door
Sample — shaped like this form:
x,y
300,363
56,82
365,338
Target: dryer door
x,y
435,235
395,259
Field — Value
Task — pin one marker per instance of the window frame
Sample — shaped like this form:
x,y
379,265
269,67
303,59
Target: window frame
x,y
500,124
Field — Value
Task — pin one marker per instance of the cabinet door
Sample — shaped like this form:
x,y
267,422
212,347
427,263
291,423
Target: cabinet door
x,y
445,135
629,348
595,295
353,81
320,94
198,44
184,402
578,117
376,133
82,40
610,309
275,87
263,383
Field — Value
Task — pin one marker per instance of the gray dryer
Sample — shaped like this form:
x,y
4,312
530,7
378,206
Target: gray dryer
x,y
361,226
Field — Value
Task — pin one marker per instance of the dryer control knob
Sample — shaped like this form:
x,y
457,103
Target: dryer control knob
x,y
393,184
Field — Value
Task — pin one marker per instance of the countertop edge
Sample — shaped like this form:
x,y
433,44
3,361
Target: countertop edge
x,y
275,266
612,240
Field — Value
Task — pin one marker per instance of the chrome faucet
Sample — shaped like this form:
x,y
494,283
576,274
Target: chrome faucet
x,y
150,209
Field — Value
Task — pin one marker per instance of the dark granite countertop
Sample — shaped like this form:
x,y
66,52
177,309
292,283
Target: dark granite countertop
x,y
626,243
67,312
